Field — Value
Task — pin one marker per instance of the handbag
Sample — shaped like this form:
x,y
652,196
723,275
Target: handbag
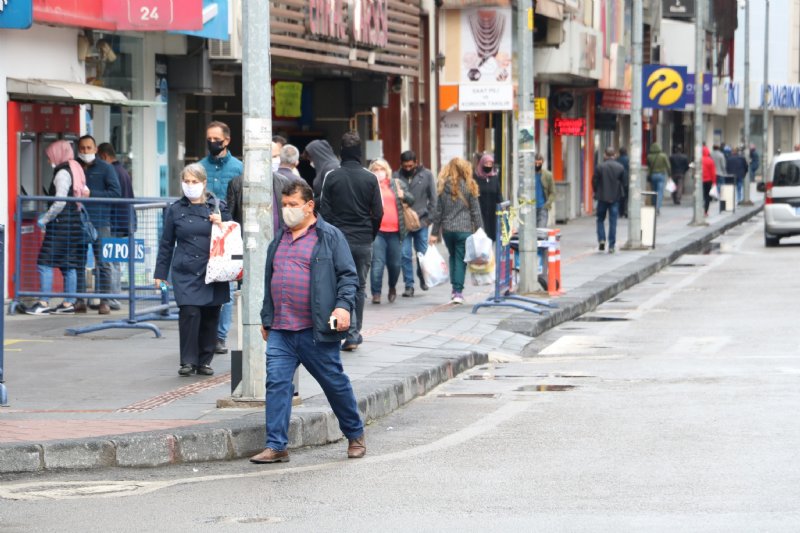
x,y
89,231
410,217
226,256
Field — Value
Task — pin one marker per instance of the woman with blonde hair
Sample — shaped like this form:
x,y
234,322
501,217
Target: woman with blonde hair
x,y
387,247
457,216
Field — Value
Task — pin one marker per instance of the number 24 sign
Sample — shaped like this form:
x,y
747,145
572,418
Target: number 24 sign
x,y
155,15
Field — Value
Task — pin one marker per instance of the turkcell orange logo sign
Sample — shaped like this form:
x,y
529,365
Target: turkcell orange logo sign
x,y
664,87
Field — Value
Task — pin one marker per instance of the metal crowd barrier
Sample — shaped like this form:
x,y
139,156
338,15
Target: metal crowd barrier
x,y
132,272
504,270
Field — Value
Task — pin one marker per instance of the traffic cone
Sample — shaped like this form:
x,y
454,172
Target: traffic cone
x,y
554,263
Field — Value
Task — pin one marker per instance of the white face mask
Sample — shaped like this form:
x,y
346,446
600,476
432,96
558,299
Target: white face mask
x,y
192,191
87,158
381,174
293,216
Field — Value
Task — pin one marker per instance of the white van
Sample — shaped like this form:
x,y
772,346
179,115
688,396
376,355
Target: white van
x,y
782,198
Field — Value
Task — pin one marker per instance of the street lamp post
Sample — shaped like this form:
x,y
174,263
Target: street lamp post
x,y
699,62
746,200
635,164
765,95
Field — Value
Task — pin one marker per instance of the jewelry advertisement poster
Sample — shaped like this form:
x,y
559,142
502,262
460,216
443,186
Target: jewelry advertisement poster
x,y
486,81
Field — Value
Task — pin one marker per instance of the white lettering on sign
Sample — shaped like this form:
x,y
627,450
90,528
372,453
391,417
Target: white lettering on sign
x,y
362,22
3,5
148,13
117,250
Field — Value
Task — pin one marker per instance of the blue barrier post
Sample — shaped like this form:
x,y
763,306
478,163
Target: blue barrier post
x,y
504,271
3,391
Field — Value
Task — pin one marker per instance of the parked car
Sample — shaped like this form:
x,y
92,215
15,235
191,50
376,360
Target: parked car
x,y
782,198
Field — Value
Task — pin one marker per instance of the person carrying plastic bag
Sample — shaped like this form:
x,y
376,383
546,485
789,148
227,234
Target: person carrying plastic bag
x,y
457,216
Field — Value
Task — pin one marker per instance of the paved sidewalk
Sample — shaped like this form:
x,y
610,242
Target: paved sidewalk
x,y
114,398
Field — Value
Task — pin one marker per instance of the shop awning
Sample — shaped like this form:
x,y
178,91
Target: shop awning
x,y
70,92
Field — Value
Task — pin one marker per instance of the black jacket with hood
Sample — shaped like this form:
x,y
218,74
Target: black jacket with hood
x,y
323,160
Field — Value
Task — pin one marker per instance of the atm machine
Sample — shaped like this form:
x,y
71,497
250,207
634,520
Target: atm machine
x,y
31,129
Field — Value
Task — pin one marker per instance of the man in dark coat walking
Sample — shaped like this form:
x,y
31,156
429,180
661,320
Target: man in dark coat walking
x,y
607,183
679,164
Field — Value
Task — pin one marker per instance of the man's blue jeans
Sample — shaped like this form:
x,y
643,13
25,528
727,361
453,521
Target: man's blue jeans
x,y
46,281
419,239
612,208
226,315
385,253
286,350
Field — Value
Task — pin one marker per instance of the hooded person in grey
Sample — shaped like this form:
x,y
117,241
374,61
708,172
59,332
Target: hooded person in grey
x,y
323,160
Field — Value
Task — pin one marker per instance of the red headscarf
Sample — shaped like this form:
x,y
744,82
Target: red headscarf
x,y
61,152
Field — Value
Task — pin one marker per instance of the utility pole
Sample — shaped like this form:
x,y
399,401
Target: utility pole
x,y
635,154
699,68
526,189
256,191
746,200
765,96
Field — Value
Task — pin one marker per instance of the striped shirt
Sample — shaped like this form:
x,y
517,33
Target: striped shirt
x,y
291,281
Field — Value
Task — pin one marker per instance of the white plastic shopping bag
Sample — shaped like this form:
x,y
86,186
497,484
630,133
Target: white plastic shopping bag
x,y
670,186
482,274
478,248
434,267
226,257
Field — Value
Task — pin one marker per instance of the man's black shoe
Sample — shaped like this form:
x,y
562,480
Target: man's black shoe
x,y
601,246
408,293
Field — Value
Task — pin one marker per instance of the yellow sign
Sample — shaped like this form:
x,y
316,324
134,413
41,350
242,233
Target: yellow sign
x,y
288,97
540,108
530,19
666,86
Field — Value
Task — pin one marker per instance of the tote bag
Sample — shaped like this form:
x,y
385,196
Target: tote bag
x,y
226,257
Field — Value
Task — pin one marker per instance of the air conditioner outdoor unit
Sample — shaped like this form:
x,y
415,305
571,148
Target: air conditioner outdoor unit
x,y
230,50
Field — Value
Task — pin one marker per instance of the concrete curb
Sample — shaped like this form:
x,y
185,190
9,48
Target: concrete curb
x,y
312,424
591,294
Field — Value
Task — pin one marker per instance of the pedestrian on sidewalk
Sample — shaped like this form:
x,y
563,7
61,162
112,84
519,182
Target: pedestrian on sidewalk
x,y
709,177
720,164
386,249
457,216
102,181
659,169
322,159
545,192
737,167
607,184
63,245
350,199
679,163
183,254
221,168
490,194
310,256
422,187
624,160
121,214
755,162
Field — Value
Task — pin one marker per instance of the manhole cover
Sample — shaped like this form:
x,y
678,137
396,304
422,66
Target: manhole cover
x,y
544,388
601,319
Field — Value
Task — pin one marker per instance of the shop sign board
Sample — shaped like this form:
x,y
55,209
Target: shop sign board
x,y
215,21
540,108
614,100
486,97
707,88
453,136
677,9
573,127
155,15
362,22
663,87
16,14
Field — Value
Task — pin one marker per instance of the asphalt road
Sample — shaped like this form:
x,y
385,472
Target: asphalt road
x,y
673,406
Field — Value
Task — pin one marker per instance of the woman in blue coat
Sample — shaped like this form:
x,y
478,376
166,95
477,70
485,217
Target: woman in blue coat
x,y
184,250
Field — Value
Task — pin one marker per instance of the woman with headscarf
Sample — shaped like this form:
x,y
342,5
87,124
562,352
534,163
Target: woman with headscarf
x,y
183,252
457,216
490,195
387,247
63,246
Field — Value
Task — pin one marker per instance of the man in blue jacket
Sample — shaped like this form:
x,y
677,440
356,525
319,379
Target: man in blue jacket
x,y
102,181
221,167
310,284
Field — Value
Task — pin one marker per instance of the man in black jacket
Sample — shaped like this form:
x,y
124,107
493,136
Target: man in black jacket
x,y
350,199
607,183
679,164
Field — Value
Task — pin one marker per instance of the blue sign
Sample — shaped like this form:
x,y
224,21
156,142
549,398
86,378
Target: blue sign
x,y
215,21
16,14
707,84
663,87
116,250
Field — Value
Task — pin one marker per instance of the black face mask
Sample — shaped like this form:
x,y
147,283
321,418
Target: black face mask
x,y
538,167
215,147
487,170
407,173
